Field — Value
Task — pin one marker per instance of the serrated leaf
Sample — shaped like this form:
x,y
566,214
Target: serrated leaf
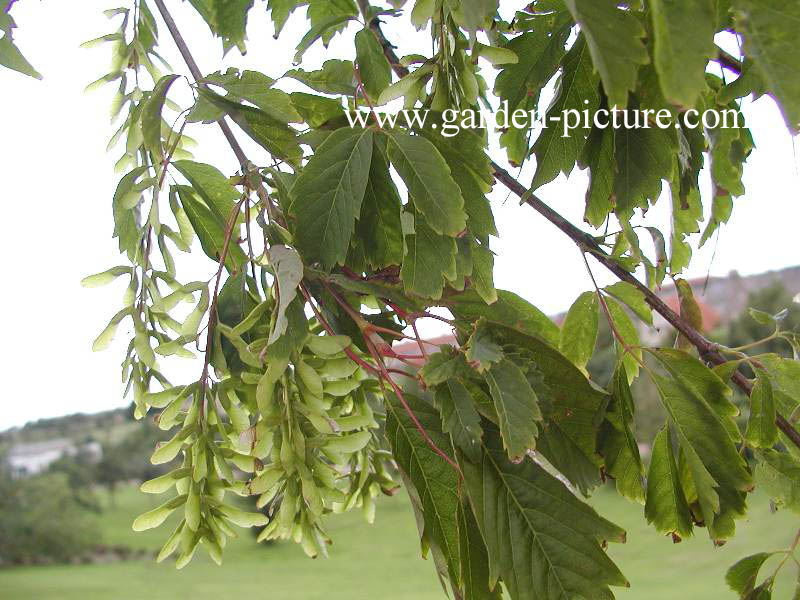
x,y
509,310
517,408
481,350
319,30
666,507
761,429
719,472
598,156
540,538
430,259
212,186
11,57
617,443
379,226
435,481
628,344
474,559
210,233
684,41
644,158
614,37
539,57
271,133
335,77
327,196
460,417
430,185
778,474
375,71
741,577
633,298
279,11
579,332
770,35
577,91
442,366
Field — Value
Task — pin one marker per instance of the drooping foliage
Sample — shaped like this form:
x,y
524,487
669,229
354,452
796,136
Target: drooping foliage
x,y
349,226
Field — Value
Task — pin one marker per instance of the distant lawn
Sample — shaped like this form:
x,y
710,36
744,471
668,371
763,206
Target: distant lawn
x,y
382,561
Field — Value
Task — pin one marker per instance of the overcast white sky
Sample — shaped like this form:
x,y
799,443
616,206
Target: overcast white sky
x,y
57,183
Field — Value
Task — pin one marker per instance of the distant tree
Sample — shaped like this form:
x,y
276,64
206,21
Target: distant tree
x,y
42,521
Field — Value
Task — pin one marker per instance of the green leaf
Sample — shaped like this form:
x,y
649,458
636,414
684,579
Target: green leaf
x,y
429,259
327,196
579,332
316,110
644,158
465,153
578,90
272,134
435,481
695,403
430,185
213,187
279,11
379,226
231,21
375,71
335,77
517,407
11,57
666,507
633,298
598,156
481,350
255,87
509,310
151,117
684,41
770,36
615,42
208,229
741,577
319,30
778,474
539,57
474,559
460,417
761,429
288,268
541,539
617,443
443,366
629,347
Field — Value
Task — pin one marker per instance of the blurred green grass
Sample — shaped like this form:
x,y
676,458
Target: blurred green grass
x,y
382,561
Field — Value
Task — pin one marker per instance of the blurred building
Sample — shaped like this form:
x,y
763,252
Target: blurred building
x,y
30,458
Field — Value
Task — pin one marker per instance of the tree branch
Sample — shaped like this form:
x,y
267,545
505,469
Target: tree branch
x,y
708,350
198,76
